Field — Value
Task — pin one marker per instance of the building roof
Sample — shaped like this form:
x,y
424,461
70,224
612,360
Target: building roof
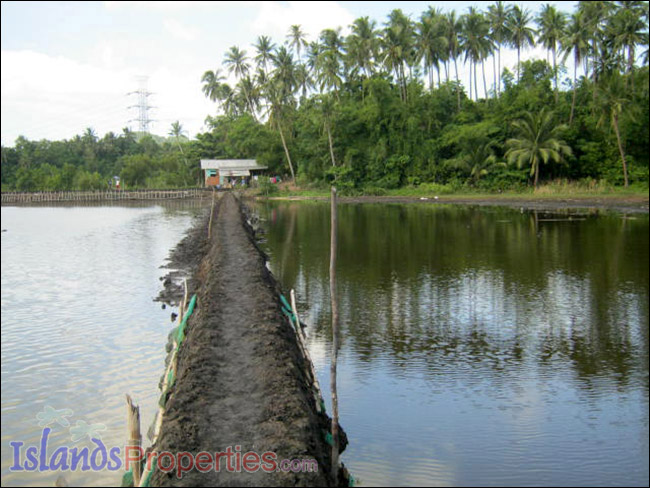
x,y
231,164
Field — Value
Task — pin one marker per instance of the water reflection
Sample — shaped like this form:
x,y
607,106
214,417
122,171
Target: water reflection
x,y
525,331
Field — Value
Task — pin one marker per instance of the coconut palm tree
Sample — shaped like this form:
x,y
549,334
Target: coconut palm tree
x,y
284,73
277,96
614,101
297,39
264,49
476,43
478,160
576,42
362,45
453,27
627,28
397,43
595,14
237,62
552,26
537,140
521,35
497,17
431,42
329,63
211,81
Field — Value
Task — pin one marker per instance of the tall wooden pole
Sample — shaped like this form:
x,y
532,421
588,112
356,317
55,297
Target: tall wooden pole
x,y
335,342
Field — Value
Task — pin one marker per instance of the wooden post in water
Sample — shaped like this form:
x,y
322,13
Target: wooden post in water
x,y
135,438
335,341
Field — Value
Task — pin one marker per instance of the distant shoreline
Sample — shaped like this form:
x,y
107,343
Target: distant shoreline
x,y
617,203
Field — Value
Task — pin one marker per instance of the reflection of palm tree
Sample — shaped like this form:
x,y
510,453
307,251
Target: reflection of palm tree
x,y
537,141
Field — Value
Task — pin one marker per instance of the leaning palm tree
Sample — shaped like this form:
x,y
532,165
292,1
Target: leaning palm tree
x,y
277,102
521,35
552,26
614,101
211,81
537,140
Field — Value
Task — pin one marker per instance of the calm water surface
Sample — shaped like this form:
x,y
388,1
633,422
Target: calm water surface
x,y
79,327
480,346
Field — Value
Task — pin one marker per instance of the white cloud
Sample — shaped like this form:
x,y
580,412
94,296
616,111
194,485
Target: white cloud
x,y
181,31
275,18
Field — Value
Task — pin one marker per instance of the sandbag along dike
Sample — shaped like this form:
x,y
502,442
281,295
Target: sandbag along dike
x,y
242,383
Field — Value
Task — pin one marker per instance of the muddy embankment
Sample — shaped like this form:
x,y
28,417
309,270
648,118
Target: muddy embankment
x,y
242,379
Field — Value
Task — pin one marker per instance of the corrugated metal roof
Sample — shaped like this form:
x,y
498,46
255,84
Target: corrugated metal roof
x,y
231,164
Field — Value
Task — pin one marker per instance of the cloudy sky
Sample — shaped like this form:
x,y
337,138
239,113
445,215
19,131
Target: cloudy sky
x,y
67,66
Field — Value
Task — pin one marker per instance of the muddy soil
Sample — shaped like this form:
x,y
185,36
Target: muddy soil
x,y
242,380
184,260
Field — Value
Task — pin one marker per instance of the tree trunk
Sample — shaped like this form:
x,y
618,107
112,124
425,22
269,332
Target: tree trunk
x,y
475,83
484,82
555,71
620,149
499,85
573,101
457,84
329,137
518,64
286,151
494,68
536,163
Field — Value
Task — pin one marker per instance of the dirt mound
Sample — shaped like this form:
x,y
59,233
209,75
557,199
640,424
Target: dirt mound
x,y
241,380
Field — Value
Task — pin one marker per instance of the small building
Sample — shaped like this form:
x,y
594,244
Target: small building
x,y
222,171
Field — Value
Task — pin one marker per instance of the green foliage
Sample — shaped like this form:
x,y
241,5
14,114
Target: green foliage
x,y
383,109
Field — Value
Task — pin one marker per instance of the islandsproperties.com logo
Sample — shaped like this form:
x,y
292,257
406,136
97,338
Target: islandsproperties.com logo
x,y
99,457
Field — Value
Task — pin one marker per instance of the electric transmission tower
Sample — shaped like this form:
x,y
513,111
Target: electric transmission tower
x,y
142,96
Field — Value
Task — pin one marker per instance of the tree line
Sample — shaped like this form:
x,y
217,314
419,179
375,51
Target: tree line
x,y
384,107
